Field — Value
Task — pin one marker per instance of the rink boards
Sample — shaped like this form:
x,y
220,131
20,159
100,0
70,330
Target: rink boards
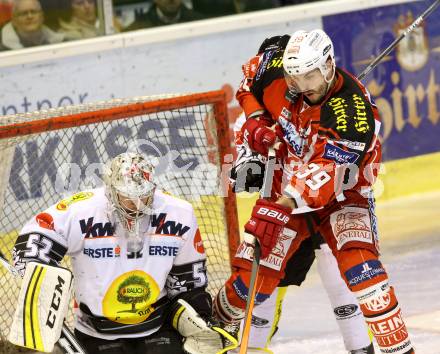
x,y
207,55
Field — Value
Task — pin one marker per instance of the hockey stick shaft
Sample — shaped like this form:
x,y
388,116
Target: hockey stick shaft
x,y
265,192
250,300
67,340
407,31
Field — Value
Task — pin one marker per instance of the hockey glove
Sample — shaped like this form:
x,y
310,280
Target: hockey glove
x,y
247,173
258,135
266,224
201,336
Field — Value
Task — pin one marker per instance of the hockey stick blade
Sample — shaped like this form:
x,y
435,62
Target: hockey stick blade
x,y
67,341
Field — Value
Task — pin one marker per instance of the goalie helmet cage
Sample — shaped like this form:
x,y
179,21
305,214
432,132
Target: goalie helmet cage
x,y
186,135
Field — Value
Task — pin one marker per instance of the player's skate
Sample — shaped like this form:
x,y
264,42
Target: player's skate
x,y
233,329
366,350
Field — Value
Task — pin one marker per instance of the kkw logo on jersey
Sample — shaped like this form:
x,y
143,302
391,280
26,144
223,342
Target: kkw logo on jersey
x,y
167,227
339,155
99,229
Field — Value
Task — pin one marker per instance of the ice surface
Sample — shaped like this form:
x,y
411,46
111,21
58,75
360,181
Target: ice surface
x,y
412,260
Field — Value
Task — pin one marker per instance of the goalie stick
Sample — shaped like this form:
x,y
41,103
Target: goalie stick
x,y
67,341
267,184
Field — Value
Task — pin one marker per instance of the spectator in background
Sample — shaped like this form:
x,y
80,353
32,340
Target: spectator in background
x,y
165,12
255,5
26,28
296,2
214,8
81,21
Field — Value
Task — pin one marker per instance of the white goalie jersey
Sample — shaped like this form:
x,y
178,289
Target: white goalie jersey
x,y
117,293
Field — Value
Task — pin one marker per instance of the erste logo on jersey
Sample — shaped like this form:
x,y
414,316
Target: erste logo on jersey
x,y
102,252
167,227
163,250
65,203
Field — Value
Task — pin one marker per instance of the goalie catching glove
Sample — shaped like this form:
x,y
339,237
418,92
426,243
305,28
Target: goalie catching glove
x,y
202,336
267,223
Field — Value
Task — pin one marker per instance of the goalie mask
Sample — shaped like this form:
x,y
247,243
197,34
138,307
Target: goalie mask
x,y
309,62
130,188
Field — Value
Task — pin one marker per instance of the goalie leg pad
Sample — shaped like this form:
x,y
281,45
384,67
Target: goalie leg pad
x,y
42,305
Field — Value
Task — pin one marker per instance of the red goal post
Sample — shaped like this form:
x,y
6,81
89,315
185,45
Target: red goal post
x,y
42,153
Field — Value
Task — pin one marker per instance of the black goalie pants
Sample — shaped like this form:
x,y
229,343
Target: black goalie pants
x,y
165,341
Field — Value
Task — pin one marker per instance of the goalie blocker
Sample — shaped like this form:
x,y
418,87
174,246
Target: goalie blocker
x,y
41,307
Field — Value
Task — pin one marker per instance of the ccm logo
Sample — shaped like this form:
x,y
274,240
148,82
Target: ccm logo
x,y
273,214
55,304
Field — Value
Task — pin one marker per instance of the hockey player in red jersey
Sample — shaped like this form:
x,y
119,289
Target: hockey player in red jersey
x,y
330,155
246,175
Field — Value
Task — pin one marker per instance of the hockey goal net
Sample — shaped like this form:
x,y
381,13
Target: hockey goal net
x,y
48,155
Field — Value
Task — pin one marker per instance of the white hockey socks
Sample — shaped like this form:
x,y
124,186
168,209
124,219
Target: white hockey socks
x,y
265,319
345,305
